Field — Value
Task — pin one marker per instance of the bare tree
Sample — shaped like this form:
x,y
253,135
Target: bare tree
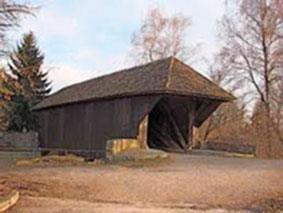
x,y
229,117
278,110
161,36
11,14
252,51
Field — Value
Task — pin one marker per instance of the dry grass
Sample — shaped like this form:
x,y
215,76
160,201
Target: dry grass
x,y
131,158
221,153
51,160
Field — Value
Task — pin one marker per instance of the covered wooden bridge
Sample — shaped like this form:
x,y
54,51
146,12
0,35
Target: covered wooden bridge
x,y
158,103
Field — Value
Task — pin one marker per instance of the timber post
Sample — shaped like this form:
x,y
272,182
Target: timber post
x,y
142,134
191,112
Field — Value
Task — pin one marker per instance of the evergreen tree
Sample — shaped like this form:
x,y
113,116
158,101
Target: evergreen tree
x,y
22,118
31,84
26,65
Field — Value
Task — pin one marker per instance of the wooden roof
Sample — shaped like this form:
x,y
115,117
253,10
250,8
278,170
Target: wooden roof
x,y
165,76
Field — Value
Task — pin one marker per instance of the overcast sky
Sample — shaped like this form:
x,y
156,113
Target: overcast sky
x,y
86,38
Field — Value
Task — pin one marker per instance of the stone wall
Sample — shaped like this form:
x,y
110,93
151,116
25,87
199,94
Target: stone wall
x,y
18,140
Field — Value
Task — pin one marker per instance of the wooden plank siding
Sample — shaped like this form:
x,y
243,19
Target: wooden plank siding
x,y
88,126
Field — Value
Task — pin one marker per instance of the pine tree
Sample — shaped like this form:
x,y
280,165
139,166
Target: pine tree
x,y
31,84
26,65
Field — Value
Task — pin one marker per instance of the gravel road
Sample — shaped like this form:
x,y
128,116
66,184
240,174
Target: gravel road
x,y
187,182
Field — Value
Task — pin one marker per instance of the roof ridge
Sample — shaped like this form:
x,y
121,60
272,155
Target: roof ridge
x,y
115,72
167,84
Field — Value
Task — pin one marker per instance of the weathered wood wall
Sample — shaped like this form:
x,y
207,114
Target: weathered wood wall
x,y
88,126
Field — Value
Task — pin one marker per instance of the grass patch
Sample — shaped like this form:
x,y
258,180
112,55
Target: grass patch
x,y
134,158
51,160
220,153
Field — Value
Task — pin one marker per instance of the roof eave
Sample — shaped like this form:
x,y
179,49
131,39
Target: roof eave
x,y
148,93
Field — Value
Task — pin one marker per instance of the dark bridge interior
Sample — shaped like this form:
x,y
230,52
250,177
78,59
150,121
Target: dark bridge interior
x,y
169,125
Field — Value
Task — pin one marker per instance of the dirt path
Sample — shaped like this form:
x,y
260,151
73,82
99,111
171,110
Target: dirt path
x,y
188,182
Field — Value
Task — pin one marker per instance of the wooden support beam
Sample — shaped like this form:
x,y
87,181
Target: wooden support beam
x,y
165,138
192,114
142,135
176,128
203,106
204,111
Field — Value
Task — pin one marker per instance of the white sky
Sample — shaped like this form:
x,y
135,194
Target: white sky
x,y
86,38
